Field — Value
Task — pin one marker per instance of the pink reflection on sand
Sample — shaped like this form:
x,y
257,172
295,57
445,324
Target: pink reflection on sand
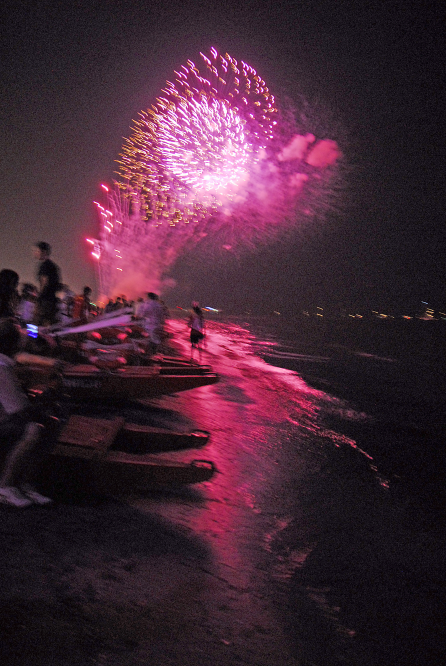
x,y
253,413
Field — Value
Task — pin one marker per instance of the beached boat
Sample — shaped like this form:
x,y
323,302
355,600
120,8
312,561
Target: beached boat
x,y
111,380
127,437
88,382
101,453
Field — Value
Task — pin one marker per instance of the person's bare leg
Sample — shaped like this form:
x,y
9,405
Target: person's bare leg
x,y
17,462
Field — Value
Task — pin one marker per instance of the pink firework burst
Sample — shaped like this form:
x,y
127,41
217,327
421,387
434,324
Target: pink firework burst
x,y
207,159
194,150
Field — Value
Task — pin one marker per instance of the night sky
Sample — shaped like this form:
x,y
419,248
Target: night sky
x,y
74,75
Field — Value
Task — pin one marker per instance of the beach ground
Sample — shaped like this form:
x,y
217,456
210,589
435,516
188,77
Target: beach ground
x,y
300,550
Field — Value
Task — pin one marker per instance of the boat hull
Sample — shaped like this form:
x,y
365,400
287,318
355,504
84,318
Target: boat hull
x,y
92,384
130,383
121,473
88,452
84,436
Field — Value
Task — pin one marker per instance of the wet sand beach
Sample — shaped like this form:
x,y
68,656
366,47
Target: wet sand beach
x,y
309,546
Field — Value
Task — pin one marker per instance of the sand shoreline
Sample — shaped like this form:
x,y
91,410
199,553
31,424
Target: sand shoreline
x,y
294,553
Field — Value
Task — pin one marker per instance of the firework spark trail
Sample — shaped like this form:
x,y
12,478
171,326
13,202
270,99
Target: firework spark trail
x,y
206,159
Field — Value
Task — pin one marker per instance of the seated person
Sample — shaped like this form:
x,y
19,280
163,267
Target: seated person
x,y
27,305
19,434
9,297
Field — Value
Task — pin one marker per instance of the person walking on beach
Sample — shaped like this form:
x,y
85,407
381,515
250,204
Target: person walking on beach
x,y
196,325
19,434
48,276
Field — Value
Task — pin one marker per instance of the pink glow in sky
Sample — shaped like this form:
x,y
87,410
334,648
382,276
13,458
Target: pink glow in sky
x,y
207,160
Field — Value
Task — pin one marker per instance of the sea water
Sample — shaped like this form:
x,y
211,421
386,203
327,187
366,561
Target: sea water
x,y
329,436
390,376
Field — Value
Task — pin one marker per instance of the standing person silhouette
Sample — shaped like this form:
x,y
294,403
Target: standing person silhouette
x,y
196,325
48,276
82,305
153,315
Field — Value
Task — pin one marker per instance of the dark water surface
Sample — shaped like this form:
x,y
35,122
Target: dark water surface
x,y
392,373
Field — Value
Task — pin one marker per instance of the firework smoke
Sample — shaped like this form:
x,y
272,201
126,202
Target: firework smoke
x,y
213,157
